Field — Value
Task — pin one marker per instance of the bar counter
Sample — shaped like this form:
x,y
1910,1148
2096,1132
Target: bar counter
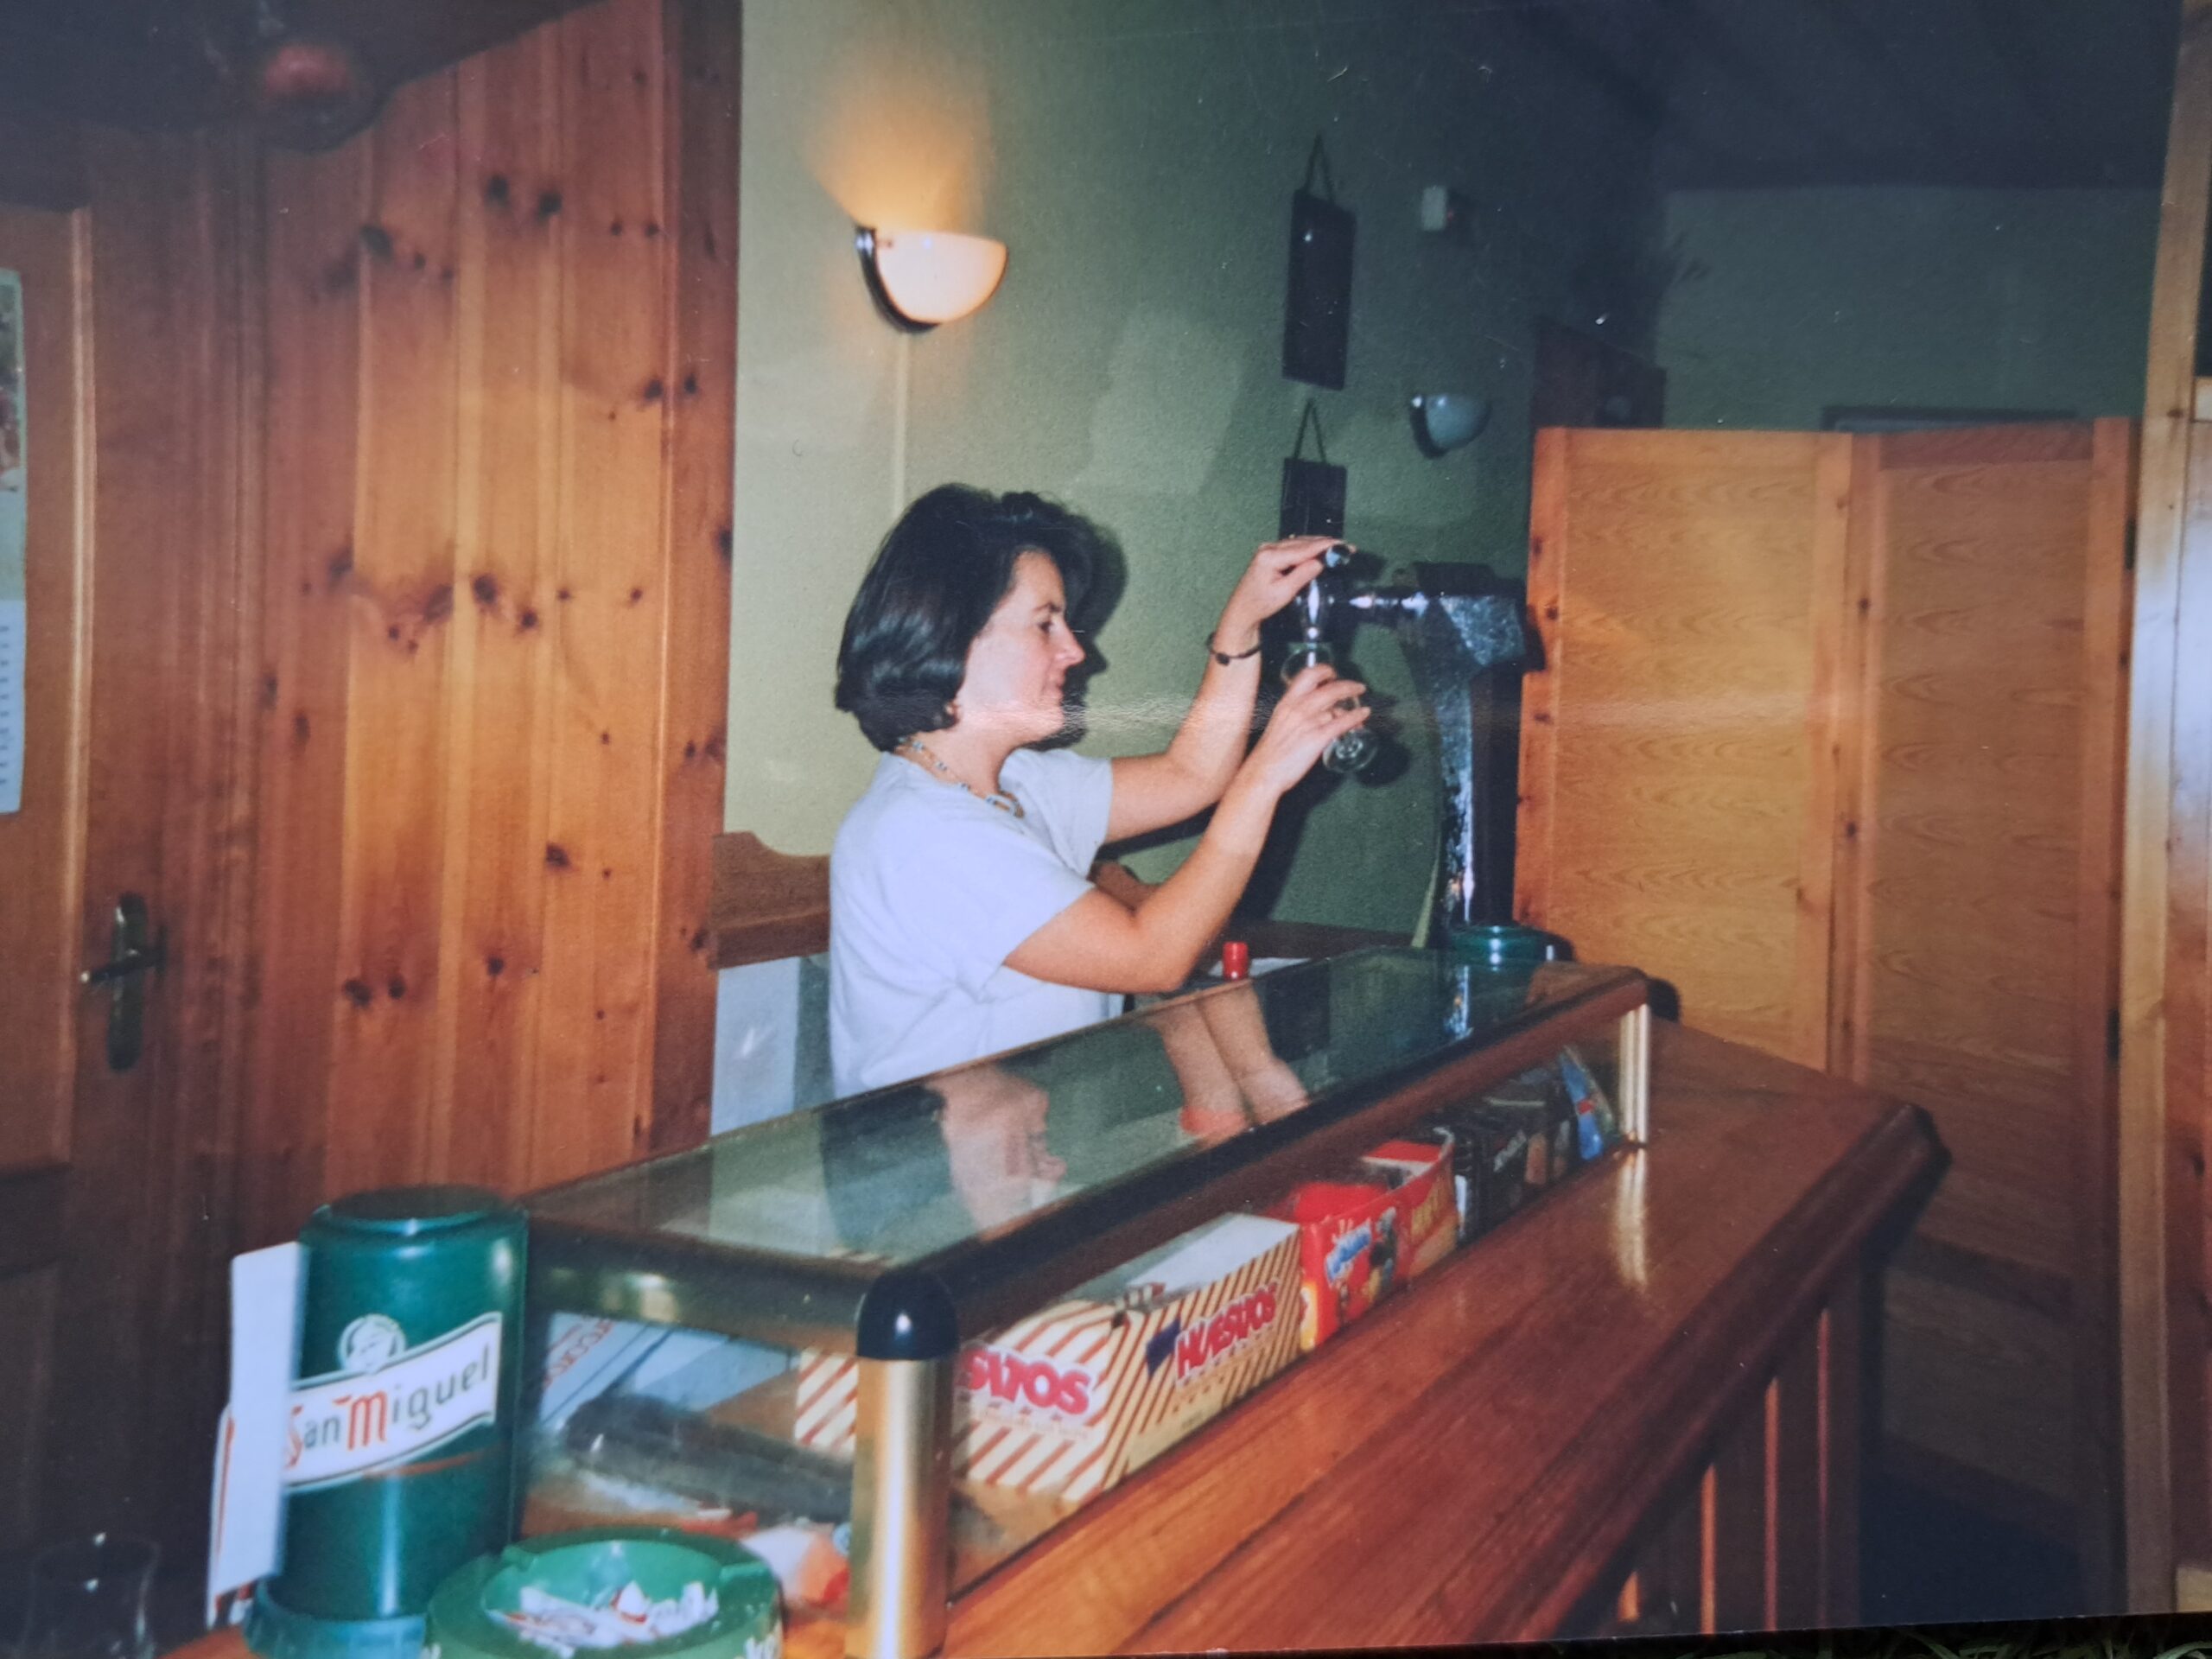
x,y
1638,1407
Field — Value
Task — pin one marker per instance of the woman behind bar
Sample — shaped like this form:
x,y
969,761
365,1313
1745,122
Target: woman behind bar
x,y
962,920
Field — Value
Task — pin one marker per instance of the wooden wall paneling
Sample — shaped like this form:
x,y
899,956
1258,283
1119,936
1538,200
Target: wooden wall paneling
x,y
400,604
2187,918
1537,808
492,911
311,257
2105,610
45,921
2167,1500
1836,630
1674,832
703,70
1857,746
611,606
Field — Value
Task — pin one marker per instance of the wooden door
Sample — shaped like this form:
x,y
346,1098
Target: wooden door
x,y
1825,736
113,1188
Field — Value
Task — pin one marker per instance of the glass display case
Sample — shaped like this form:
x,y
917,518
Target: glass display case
x,y
1146,1187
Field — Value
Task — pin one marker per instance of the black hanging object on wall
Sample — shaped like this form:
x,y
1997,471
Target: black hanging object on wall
x,y
1317,316
1313,491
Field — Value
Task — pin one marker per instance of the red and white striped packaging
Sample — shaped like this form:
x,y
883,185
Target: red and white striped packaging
x,y
1071,1400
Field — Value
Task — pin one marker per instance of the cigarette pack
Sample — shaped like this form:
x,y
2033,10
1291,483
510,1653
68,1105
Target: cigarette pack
x,y
1392,1215
1069,1400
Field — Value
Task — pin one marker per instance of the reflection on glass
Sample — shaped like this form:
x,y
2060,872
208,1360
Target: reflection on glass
x,y
897,1176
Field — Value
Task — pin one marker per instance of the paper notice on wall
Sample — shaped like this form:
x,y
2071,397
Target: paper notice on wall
x,y
246,1508
13,521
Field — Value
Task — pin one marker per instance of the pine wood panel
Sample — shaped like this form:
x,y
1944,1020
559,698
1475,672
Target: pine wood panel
x,y
311,280
2162,1354
704,49
1673,814
496,491
399,594
499,741
609,610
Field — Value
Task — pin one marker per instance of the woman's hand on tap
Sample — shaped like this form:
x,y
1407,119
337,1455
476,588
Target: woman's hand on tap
x,y
1278,571
1316,707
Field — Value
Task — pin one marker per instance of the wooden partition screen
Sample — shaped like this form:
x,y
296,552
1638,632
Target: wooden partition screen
x,y
1826,735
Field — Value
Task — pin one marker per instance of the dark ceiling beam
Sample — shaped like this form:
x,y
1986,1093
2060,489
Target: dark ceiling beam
x,y
2045,133
1546,23
1692,27
1846,20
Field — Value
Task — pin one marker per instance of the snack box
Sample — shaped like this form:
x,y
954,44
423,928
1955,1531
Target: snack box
x,y
1391,1216
1069,1400
1523,1135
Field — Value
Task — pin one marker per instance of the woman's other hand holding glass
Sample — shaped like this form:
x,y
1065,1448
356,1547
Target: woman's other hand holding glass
x,y
1318,706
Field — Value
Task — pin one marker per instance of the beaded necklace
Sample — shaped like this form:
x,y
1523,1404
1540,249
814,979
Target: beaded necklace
x,y
1003,799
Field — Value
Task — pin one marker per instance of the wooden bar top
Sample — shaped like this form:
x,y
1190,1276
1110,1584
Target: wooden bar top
x,y
1469,1462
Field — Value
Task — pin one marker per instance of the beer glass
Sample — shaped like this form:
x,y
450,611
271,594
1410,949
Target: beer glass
x,y
88,1599
1349,750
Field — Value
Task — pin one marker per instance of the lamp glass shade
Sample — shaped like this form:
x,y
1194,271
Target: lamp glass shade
x,y
1444,419
925,278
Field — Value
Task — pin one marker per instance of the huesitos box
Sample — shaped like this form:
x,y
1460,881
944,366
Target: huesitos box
x,y
1071,1400
1393,1215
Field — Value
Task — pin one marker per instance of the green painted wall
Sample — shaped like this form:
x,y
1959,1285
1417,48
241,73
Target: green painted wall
x,y
1139,157
1791,301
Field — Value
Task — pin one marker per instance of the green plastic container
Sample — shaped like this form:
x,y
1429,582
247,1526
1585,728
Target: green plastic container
x,y
591,1566
402,1452
1504,947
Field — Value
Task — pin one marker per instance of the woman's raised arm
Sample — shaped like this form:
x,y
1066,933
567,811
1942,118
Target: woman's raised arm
x,y
1151,791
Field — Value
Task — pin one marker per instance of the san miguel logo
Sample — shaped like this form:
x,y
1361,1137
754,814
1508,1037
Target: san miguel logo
x,y
390,1403
996,1374
1223,1334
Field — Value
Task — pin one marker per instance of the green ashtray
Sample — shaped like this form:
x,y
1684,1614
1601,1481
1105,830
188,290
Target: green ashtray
x,y
591,1566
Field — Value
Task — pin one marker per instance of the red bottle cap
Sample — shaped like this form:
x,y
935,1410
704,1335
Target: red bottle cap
x,y
1236,960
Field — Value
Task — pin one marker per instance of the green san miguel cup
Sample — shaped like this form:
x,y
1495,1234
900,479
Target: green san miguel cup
x,y
399,1460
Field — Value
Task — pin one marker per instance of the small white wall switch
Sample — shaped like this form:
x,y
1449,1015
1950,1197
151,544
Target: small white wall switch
x,y
1442,208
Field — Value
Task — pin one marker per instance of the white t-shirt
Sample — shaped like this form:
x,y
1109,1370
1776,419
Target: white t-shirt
x,y
930,889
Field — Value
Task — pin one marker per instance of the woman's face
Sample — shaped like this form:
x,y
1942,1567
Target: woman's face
x,y
1016,682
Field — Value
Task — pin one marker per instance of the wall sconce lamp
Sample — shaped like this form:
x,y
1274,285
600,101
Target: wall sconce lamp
x,y
920,278
1444,419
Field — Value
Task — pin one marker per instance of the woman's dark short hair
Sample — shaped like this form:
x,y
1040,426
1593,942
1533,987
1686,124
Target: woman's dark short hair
x,y
935,581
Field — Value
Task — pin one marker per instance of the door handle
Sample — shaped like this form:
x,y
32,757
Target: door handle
x,y
138,951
